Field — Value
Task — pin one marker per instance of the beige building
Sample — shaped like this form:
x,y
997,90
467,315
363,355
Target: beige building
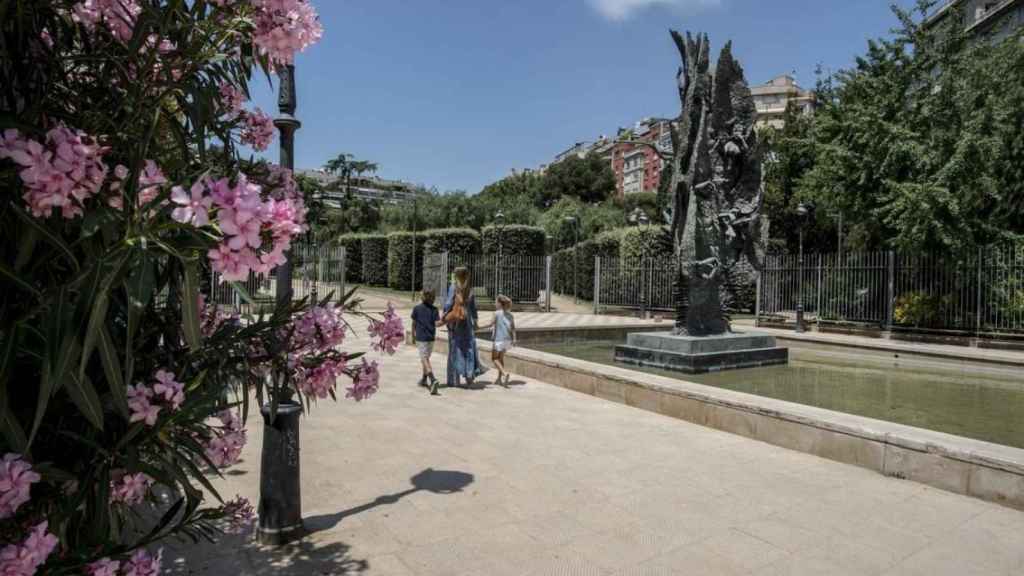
x,y
995,19
772,98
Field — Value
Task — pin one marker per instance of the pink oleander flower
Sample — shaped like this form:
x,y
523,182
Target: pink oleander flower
x,y
142,564
365,383
168,389
390,333
16,480
119,16
239,515
62,173
193,206
25,559
320,381
140,403
129,489
225,448
46,38
257,129
103,567
232,98
284,27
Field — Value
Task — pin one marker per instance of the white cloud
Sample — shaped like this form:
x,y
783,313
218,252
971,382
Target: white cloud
x,y
623,9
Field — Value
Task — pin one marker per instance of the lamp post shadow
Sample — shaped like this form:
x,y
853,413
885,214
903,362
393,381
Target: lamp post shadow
x,y
430,480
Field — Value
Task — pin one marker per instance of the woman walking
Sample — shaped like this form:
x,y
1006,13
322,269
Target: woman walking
x,y
460,316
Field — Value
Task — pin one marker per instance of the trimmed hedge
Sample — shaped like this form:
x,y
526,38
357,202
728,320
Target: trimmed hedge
x,y
645,241
353,244
455,240
375,259
515,239
401,260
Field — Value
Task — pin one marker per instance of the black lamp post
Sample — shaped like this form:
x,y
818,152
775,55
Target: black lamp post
x,y
499,224
639,218
280,505
575,257
803,211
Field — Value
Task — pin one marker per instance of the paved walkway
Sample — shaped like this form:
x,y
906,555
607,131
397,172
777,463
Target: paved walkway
x,y
538,480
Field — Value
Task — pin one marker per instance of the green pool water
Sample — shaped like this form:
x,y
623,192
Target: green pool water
x,y
978,401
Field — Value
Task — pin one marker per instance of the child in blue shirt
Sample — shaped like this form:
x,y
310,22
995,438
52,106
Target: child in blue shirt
x,y
425,320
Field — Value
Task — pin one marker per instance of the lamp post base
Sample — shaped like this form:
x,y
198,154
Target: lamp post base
x,y
280,507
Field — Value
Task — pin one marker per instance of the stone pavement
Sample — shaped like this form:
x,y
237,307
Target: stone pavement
x,y
538,480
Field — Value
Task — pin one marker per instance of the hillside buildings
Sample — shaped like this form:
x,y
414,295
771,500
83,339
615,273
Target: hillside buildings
x,y
371,189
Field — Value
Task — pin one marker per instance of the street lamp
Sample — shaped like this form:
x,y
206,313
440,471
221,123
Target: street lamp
x,y
280,505
804,211
639,218
572,220
415,217
499,224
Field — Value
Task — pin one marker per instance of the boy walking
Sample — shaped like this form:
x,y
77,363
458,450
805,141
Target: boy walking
x,y
425,319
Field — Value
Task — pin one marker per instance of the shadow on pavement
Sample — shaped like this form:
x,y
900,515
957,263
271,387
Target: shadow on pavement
x,y
241,556
430,480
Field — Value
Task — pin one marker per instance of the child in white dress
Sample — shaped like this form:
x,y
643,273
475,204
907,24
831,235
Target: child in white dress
x,y
503,335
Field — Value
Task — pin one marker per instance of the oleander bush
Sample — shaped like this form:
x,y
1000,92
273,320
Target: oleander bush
x,y
120,123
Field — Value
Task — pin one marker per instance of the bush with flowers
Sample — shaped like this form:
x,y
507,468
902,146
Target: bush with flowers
x,y
119,127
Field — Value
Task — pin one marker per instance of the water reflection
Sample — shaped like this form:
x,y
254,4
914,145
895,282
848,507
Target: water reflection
x,y
963,399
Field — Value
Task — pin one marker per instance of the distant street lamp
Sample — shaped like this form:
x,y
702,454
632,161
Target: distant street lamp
x,y
572,220
639,218
499,225
804,211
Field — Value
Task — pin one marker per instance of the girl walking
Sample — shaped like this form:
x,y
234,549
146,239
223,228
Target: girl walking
x,y
503,336
460,316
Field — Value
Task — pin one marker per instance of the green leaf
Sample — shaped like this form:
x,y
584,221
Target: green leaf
x,y
112,370
97,318
27,245
17,280
47,235
83,394
9,426
190,306
243,293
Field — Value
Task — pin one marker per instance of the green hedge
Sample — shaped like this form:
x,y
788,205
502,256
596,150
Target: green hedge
x,y
375,259
606,244
646,241
514,239
400,261
455,240
353,244
561,271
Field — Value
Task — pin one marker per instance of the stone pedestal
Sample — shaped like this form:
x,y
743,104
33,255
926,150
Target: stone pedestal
x,y
697,354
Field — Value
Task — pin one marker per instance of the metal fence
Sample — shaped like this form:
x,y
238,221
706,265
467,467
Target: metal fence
x,y
638,283
980,293
317,271
524,279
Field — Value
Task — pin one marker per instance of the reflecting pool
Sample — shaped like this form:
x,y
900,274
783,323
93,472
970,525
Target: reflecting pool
x,y
975,400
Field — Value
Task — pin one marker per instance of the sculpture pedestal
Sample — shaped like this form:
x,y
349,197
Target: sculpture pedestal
x,y
698,354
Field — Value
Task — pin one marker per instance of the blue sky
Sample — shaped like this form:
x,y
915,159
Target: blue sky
x,y
455,93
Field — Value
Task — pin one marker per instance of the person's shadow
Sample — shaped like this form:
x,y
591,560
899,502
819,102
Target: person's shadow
x,y
436,481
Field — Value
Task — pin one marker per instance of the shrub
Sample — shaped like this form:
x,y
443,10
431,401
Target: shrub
x,y
455,240
918,309
561,271
375,259
514,239
646,241
401,261
353,244
606,244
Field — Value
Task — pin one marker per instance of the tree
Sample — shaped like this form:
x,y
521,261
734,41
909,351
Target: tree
x,y
589,179
345,165
920,144
528,185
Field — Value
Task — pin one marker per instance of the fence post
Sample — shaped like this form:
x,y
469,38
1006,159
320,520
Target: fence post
x,y
978,302
757,296
597,284
344,264
547,283
891,291
817,304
